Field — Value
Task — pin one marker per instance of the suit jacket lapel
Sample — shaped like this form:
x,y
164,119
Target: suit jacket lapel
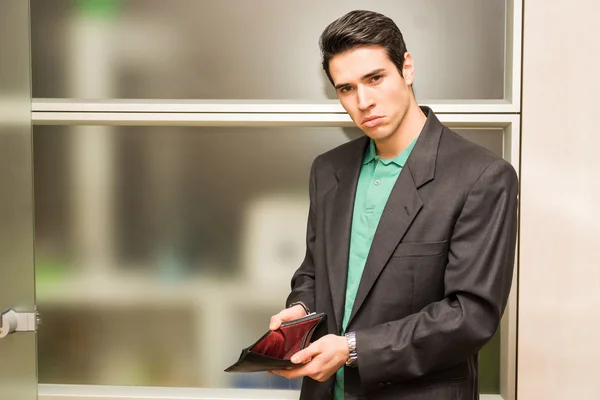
x,y
402,206
339,204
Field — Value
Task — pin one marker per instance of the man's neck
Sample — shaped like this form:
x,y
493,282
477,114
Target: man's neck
x,y
409,129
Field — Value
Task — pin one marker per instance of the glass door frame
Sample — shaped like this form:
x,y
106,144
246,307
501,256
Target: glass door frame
x,y
204,113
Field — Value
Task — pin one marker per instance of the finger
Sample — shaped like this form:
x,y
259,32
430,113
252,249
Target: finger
x,y
275,322
304,356
289,314
292,373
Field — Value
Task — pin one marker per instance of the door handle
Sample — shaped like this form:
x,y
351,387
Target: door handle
x,y
13,321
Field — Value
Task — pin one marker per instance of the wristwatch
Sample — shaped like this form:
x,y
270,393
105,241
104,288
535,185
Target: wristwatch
x,y
352,360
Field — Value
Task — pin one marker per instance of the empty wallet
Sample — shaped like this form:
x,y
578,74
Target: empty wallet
x,y
275,348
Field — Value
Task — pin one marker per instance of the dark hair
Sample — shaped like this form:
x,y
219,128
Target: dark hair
x,y
362,28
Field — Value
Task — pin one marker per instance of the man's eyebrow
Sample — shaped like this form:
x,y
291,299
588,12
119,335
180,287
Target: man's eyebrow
x,y
366,76
372,73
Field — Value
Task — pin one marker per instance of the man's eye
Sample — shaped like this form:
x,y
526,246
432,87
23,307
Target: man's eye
x,y
345,89
376,78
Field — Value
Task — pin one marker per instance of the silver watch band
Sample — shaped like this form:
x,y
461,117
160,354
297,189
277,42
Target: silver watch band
x,y
353,355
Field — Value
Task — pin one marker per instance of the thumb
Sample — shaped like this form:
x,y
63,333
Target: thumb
x,y
275,322
304,356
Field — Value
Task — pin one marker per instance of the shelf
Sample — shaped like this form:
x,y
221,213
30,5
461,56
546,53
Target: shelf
x,y
140,291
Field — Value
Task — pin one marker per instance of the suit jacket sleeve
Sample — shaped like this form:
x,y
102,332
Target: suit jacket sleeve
x,y
477,283
303,281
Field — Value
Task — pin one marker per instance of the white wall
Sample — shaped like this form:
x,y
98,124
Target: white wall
x,y
559,286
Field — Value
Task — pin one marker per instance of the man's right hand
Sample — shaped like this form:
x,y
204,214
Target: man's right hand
x,y
288,314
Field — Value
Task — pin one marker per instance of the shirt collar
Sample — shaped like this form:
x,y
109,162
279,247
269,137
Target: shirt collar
x,y
399,160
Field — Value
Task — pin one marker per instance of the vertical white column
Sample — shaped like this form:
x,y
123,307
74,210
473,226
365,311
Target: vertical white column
x,y
91,75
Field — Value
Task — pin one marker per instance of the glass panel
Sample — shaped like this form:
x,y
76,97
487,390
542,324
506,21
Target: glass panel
x,y
260,49
161,252
18,366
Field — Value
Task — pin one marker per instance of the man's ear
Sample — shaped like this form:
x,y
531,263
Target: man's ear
x,y
408,69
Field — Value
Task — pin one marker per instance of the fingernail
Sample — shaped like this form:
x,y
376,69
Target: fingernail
x,y
295,359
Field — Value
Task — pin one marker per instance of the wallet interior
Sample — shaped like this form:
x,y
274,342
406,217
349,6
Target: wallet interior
x,y
287,340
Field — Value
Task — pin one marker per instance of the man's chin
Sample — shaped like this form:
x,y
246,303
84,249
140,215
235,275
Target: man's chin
x,y
377,134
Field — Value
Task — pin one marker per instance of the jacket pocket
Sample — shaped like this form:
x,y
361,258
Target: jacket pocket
x,y
420,249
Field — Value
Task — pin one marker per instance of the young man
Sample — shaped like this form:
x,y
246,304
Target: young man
x,y
410,240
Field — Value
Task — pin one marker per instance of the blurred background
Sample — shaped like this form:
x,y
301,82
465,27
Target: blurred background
x,y
161,252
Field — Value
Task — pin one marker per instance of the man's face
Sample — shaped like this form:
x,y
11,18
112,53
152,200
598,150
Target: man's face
x,y
372,90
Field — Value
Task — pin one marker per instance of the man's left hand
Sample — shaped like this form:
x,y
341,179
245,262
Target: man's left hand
x,y
321,359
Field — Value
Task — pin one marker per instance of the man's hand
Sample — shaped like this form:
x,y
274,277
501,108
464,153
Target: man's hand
x,y
321,359
288,314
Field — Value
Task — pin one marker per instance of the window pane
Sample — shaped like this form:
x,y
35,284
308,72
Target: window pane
x,y
260,49
161,252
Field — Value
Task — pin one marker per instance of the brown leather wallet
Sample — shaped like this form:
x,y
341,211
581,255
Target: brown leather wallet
x,y
275,348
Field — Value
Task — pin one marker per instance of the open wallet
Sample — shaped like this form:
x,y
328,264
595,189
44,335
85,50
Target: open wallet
x,y
275,348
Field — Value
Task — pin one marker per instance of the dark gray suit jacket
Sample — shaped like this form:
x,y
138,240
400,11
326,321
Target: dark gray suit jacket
x,y
438,275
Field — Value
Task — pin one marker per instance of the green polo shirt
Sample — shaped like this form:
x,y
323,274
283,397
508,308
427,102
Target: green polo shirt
x,y
375,183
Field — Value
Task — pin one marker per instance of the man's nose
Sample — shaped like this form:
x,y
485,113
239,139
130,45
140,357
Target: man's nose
x,y
365,100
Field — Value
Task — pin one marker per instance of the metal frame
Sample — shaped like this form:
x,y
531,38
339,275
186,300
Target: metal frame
x,y
42,105
514,54
204,113
93,392
510,124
